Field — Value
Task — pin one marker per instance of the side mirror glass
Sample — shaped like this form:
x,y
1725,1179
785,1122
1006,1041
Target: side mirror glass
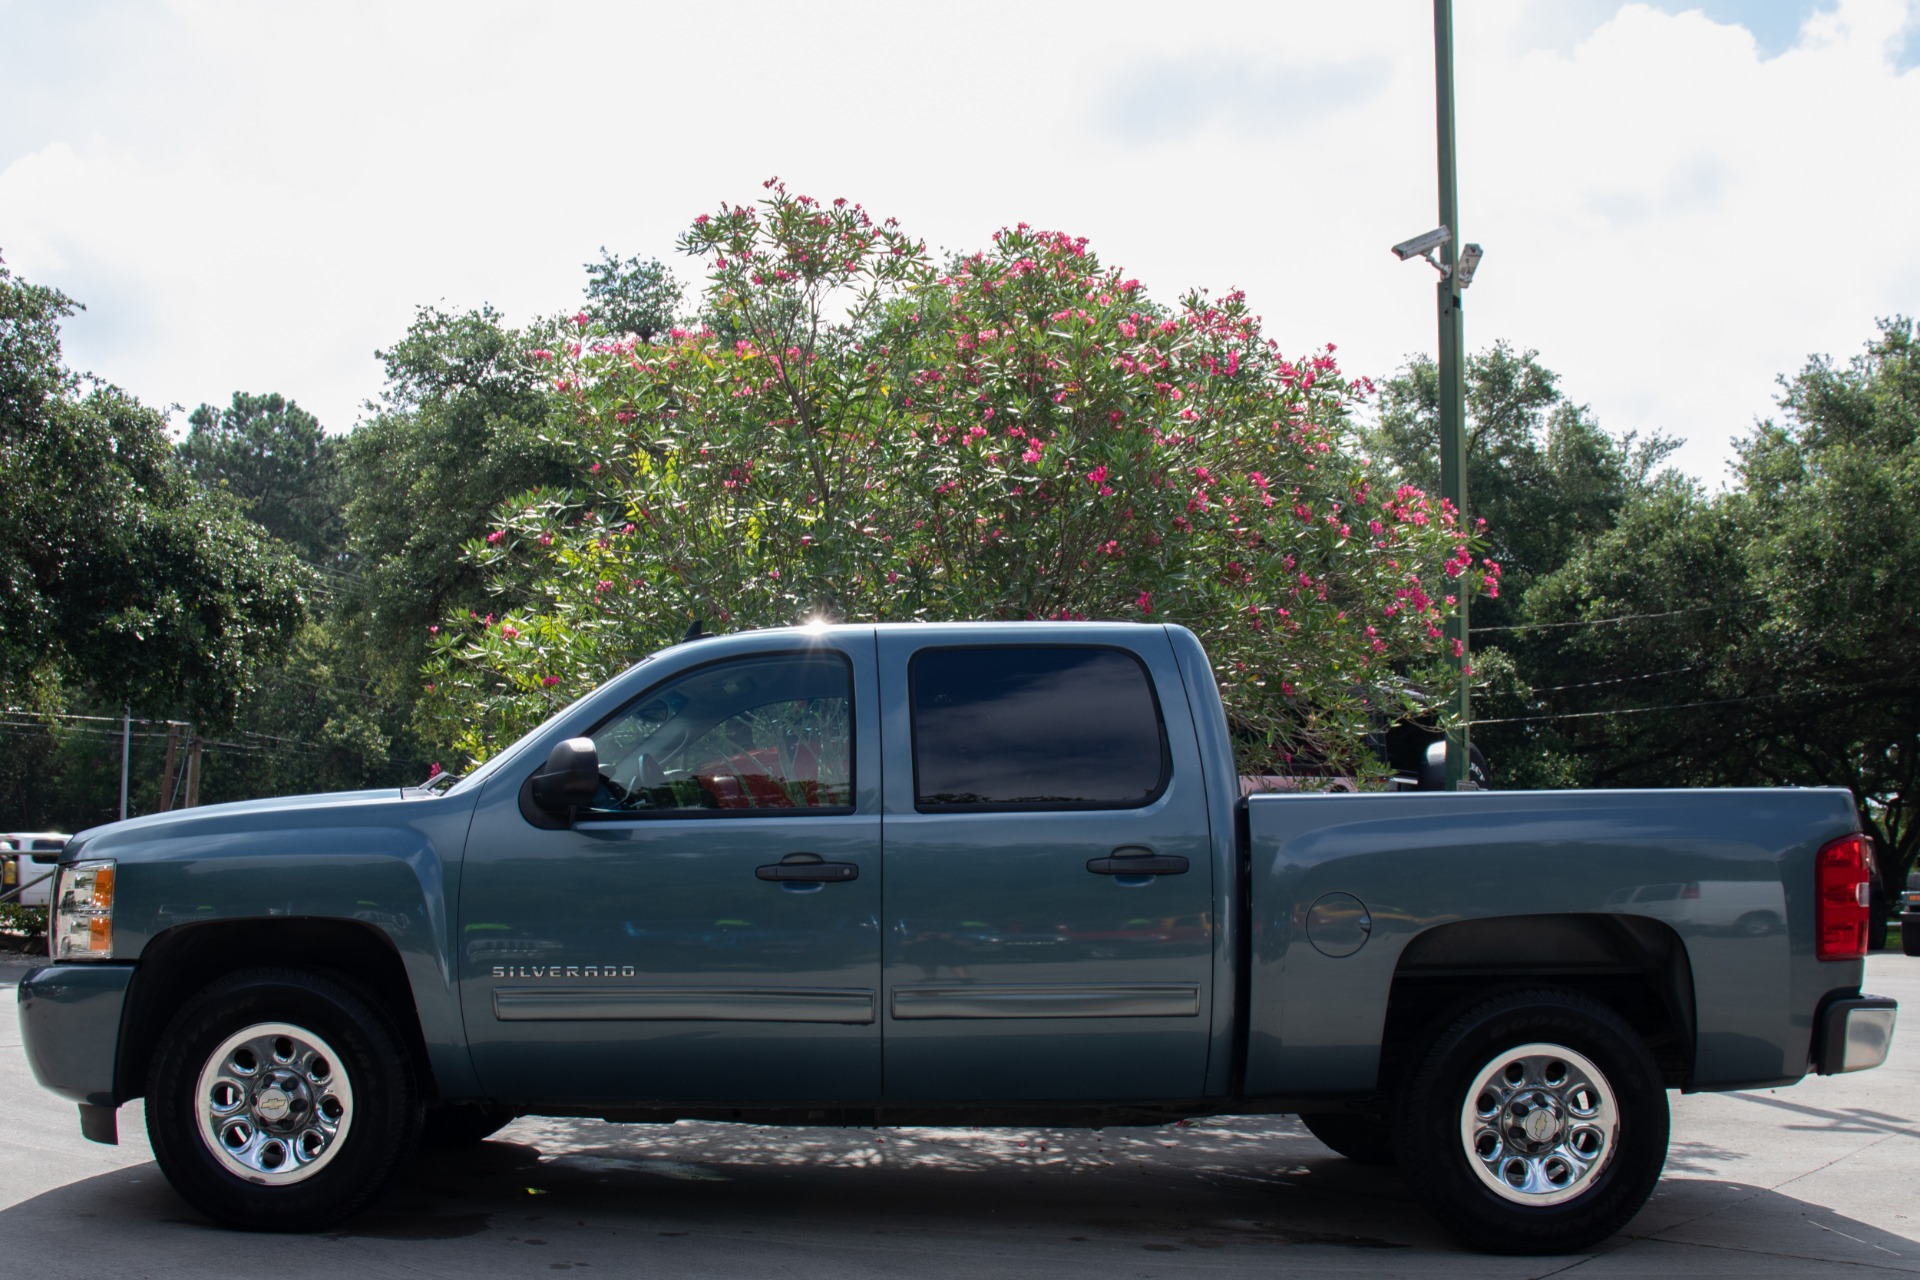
x,y
568,781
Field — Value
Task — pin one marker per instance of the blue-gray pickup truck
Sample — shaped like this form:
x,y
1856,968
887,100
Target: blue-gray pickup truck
x,y
948,874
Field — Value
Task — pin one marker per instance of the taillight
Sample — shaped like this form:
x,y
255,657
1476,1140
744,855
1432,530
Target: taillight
x,y
1841,895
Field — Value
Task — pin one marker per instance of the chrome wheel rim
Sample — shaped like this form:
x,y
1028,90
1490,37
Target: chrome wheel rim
x,y
1539,1123
274,1103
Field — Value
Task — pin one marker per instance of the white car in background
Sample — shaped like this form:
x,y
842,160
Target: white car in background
x,y
30,857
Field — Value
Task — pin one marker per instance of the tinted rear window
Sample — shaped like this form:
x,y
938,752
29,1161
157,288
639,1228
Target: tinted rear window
x,y
1035,728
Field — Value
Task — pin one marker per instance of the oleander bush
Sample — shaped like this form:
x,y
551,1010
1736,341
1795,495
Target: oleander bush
x,y
854,432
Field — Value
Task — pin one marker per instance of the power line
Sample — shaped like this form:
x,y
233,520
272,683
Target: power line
x,y
1602,622
1595,684
67,715
1683,706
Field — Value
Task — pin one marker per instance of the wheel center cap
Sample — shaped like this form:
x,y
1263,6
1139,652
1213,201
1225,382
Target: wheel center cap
x,y
1540,1125
272,1104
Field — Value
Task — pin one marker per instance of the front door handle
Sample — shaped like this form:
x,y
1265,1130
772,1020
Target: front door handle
x,y
807,866
1137,861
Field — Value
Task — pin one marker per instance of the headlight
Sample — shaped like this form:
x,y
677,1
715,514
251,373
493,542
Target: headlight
x,y
83,913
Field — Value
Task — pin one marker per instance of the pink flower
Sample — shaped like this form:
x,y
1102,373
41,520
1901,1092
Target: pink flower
x,y
550,681
436,770
496,537
1145,603
580,318
595,468
701,220
510,632
1098,475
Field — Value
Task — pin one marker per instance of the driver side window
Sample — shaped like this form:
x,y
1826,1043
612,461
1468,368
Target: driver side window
x,y
763,735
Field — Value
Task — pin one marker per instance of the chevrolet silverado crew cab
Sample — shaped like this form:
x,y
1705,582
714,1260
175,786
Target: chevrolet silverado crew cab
x,y
947,874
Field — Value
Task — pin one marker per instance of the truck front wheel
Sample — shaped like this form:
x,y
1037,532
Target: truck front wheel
x,y
1536,1124
280,1100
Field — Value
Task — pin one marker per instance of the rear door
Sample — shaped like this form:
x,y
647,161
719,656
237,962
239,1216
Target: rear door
x,y
1048,888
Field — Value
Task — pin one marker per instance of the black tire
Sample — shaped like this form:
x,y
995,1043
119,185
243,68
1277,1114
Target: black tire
x,y
1361,1138
1597,1197
336,1044
1910,933
456,1124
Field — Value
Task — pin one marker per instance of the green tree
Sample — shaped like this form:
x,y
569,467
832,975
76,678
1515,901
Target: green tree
x,y
1543,480
1541,472
631,298
459,429
272,455
118,574
1768,634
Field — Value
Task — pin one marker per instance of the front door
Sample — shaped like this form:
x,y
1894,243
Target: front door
x,y
708,932
1048,881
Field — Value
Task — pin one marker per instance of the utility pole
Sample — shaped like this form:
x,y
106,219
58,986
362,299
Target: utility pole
x,y
169,784
126,751
193,771
1453,433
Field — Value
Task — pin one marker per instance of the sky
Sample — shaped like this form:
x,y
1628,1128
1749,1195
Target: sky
x,y
1678,202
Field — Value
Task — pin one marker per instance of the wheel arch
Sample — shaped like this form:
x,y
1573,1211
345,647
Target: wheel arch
x,y
1635,966
186,958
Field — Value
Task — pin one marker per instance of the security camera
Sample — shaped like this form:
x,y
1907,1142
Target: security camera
x,y
1470,255
1422,245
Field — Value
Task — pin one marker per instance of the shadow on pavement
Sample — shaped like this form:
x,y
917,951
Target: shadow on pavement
x,y
1849,1120
561,1194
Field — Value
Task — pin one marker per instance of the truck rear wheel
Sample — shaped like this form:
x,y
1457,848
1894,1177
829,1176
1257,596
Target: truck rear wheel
x,y
1536,1124
280,1100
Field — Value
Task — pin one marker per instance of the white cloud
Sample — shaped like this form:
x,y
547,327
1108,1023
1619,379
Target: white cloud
x,y
256,197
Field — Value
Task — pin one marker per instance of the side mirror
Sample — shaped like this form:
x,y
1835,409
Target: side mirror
x,y
566,783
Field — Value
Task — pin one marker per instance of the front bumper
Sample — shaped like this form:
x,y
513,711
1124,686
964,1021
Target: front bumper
x,y
70,1026
1854,1033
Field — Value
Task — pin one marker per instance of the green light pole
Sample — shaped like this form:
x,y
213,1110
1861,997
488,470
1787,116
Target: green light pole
x,y
1453,397
1456,263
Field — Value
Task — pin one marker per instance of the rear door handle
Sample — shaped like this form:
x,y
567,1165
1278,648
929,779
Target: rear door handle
x,y
1136,861
807,866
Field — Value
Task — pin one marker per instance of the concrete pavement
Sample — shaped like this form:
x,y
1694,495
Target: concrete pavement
x,y
1819,1179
